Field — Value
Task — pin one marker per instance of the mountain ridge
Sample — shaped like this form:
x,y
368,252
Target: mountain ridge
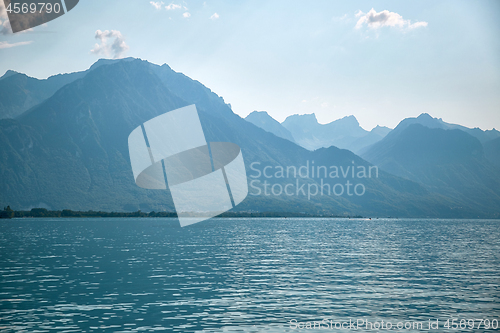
x,y
70,151
428,121
345,133
20,92
263,120
450,162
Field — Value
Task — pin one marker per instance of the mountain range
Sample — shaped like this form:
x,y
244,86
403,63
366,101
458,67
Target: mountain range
x,y
64,145
428,121
19,92
305,130
450,162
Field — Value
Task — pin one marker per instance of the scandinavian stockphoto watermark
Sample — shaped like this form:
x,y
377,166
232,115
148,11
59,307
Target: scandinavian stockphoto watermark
x,y
310,180
365,324
205,179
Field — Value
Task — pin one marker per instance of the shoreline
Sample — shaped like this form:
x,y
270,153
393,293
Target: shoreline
x,y
8,213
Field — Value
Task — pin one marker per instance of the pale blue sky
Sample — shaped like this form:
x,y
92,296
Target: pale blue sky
x,y
288,57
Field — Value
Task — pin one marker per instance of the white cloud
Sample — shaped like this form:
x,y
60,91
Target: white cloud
x,y
342,18
214,17
186,15
116,48
7,45
385,18
418,25
157,4
173,6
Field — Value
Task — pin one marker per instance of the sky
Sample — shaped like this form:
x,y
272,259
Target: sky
x,y
381,61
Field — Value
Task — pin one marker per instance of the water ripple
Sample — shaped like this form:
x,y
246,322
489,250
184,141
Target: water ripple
x,y
242,275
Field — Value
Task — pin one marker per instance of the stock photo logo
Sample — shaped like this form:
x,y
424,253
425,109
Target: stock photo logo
x,y
205,179
26,14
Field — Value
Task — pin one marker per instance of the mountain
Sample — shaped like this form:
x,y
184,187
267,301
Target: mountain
x,y
449,162
343,133
374,136
7,74
381,131
311,135
492,151
19,92
430,122
70,151
263,120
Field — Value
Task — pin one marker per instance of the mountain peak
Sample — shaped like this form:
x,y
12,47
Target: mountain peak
x,y
309,119
428,121
263,120
165,65
8,73
425,115
424,119
307,132
381,130
104,61
351,120
263,113
310,116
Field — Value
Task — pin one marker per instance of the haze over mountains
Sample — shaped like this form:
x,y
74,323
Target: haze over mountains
x,y
305,130
19,92
428,121
450,162
67,148
263,120
448,158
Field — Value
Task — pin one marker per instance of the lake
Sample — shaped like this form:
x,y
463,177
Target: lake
x,y
247,275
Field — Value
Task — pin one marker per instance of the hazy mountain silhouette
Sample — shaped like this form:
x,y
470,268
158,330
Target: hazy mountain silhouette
x,y
492,151
343,133
7,74
263,120
430,122
19,92
374,136
449,162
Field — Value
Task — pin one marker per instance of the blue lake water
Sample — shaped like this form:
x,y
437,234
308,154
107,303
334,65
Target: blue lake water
x,y
248,275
